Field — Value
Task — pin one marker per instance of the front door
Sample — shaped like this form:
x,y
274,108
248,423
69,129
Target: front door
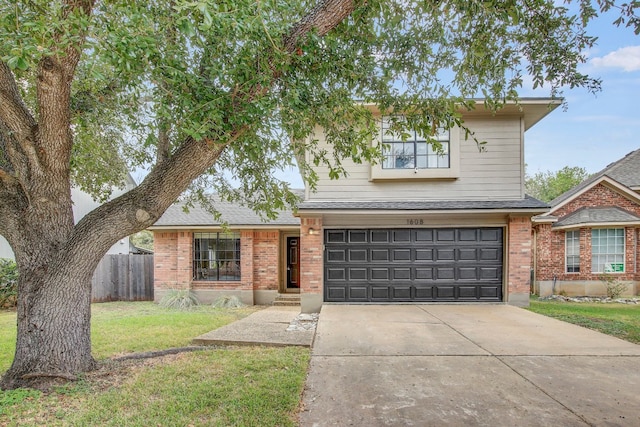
x,y
293,262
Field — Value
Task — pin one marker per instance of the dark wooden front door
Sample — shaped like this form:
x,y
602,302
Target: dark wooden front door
x,y
293,262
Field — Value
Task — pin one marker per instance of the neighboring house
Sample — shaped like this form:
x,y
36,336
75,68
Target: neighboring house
x,y
83,203
422,226
592,229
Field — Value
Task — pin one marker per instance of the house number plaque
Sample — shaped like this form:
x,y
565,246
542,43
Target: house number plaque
x,y
415,221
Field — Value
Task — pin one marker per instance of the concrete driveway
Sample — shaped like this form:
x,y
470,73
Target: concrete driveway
x,y
472,365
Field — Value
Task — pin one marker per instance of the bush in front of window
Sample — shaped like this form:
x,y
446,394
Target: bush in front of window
x,y
8,283
615,288
179,299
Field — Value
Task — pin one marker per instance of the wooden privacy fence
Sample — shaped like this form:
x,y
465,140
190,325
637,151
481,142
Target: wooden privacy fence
x,y
123,278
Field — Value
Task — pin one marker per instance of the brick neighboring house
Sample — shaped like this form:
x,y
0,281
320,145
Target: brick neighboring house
x,y
421,226
251,259
592,229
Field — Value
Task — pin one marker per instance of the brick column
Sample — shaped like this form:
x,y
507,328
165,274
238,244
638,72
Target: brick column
x,y
185,260
311,264
172,262
519,260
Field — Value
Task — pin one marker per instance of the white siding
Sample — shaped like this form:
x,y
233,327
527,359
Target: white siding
x,y
495,174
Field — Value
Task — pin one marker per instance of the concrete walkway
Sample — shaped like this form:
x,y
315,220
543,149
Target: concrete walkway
x,y
266,327
471,365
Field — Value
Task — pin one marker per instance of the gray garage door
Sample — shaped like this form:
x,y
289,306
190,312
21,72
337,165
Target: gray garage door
x,y
439,264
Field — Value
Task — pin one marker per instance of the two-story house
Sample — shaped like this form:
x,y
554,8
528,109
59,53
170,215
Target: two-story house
x,y
423,225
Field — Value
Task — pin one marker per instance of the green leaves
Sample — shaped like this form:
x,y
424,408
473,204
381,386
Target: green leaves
x,y
156,73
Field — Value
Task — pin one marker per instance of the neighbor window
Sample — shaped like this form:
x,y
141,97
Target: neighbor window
x,y
411,150
216,256
607,250
572,239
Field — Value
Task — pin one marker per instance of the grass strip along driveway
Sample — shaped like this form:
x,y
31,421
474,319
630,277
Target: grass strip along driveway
x,y
216,387
618,320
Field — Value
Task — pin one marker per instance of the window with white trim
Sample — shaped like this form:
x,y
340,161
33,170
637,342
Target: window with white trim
x,y
411,150
410,155
216,256
572,251
607,250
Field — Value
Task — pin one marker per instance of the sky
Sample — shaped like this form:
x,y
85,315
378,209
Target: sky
x,y
599,129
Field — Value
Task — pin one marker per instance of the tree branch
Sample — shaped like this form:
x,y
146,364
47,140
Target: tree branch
x,y
143,205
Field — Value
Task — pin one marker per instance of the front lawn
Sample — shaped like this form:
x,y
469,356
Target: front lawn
x,y
619,320
216,387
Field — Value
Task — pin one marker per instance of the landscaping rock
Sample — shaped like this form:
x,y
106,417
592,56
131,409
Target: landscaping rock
x,y
304,322
604,300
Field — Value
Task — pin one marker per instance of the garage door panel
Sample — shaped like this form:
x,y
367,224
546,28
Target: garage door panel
x,y
334,236
378,255
336,274
490,254
444,292
356,274
445,273
445,254
423,273
380,293
357,255
336,255
422,236
358,293
399,255
489,293
379,274
467,292
423,255
336,293
401,236
414,265
358,236
401,273
491,273
468,273
401,292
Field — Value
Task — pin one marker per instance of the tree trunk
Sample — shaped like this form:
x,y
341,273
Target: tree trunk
x,y
54,313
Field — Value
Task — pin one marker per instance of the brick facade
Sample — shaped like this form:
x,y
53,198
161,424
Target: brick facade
x,y
260,265
519,260
550,250
311,256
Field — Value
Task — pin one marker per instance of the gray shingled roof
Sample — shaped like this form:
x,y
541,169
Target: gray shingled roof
x,y
435,205
597,215
231,213
626,171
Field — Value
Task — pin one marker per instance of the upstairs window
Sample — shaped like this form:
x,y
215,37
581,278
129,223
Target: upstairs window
x,y
572,251
411,150
216,256
607,250
410,155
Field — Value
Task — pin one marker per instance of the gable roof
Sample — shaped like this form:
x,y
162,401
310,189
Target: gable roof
x,y
598,216
235,215
625,171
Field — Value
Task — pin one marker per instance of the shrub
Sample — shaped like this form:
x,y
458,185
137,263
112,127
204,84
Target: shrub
x,y
228,302
179,299
615,287
8,283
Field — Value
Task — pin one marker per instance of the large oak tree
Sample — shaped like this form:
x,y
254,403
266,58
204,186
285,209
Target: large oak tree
x,y
207,90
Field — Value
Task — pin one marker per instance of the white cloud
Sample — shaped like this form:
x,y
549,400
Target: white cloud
x,y
627,58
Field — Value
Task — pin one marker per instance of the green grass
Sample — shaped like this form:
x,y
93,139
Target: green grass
x,y
619,320
241,386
